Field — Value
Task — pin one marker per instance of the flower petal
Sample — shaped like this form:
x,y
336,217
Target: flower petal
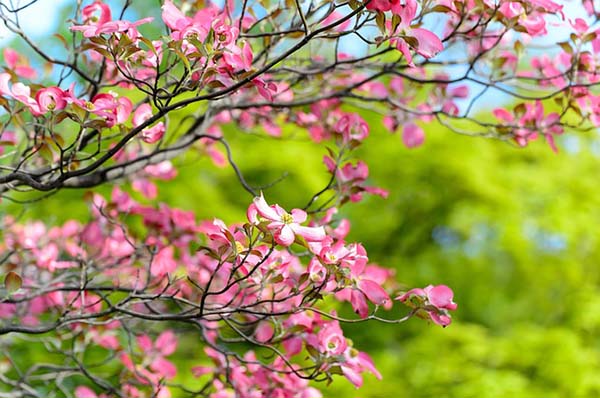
x,y
359,303
284,236
353,376
411,292
441,297
373,291
299,216
429,43
166,342
412,135
311,234
264,210
84,392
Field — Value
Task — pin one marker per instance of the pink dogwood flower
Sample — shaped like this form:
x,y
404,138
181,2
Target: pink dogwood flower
x,y
428,44
364,281
352,127
150,134
412,136
98,20
50,99
165,345
86,392
356,363
435,300
19,64
284,226
331,339
532,121
164,263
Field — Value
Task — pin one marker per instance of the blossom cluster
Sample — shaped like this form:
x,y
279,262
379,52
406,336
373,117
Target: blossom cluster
x,y
263,280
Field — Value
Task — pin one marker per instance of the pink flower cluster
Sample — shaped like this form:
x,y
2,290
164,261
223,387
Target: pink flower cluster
x,y
98,21
528,120
253,267
351,178
210,25
436,301
110,108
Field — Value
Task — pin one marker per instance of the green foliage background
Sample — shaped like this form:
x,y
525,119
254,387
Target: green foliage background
x,y
511,230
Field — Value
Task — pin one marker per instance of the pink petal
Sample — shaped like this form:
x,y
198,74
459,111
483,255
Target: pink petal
x,y
412,136
380,5
367,363
353,376
123,109
166,342
429,43
21,91
198,371
503,115
336,16
409,12
264,210
311,234
329,162
292,346
264,332
411,292
299,216
402,46
441,297
440,319
109,342
284,236
359,303
141,114
164,262
217,157
11,57
26,72
377,191
163,392
373,291
145,343
252,214
164,367
154,133
550,140
145,187
172,16
4,79
279,210
84,392
247,56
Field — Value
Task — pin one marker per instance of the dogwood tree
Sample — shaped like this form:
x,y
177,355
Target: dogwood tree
x,y
110,298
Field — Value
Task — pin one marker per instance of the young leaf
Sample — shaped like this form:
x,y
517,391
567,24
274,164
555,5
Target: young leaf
x,y
12,282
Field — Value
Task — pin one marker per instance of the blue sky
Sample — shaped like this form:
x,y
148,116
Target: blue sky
x,y
37,20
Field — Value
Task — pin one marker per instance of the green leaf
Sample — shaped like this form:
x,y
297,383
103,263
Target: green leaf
x,y
395,22
45,152
589,37
12,282
380,19
312,351
566,47
441,8
518,46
